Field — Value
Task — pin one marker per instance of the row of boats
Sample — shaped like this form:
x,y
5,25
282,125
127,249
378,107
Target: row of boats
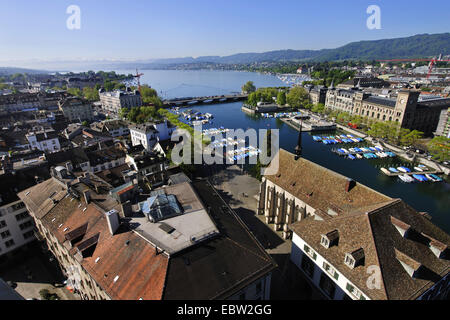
x,y
214,131
366,152
338,139
406,177
281,114
226,142
428,177
242,153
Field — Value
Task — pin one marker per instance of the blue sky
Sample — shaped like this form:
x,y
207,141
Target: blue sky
x,y
138,29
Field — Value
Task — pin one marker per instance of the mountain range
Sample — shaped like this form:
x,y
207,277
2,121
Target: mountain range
x,y
418,46
422,45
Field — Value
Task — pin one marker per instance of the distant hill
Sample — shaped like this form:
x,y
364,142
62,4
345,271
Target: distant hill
x,y
423,45
13,70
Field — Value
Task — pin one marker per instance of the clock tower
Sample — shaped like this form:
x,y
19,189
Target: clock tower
x,y
406,106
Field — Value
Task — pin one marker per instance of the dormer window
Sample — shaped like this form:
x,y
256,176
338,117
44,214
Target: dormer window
x,y
349,261
355,258
411,266
329,239
401,226
325,242
438,248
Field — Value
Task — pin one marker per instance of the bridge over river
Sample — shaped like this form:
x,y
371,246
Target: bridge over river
x,y
205,100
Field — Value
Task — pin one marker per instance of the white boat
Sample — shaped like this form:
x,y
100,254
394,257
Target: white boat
x,y
429,177
418,169
402,170
386,171
406,178
359,156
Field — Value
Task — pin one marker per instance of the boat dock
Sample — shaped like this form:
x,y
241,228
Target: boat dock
x,y
396,174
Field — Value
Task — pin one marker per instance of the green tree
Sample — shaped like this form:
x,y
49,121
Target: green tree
x,y
281,98
439,147
249,87
297,97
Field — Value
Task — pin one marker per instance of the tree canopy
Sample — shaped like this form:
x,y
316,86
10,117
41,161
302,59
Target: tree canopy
x,y
297,97
249,87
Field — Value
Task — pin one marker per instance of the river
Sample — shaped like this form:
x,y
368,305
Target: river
x,y
428,197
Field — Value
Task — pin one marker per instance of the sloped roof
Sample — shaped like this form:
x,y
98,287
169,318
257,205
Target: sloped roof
x,y
141,271
374,232
320,187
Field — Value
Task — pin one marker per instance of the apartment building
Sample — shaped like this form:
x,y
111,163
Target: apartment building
x,y
44,140
16,225
115,128
76,109
113,101
119,245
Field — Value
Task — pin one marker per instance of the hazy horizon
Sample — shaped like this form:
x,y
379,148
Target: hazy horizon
x,y
36,32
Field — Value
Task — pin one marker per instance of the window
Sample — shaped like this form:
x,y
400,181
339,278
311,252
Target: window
x,y
327,285
9,243
2,224
310,252
330,270
18,206
349,261
308,266
28,234
355,292
5,234
25,225
325,242
22,216
258,287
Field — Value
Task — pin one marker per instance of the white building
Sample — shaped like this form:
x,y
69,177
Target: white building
x,y
149,134
16,226
47,141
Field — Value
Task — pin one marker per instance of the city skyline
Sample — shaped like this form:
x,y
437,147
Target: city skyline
x,y
180,29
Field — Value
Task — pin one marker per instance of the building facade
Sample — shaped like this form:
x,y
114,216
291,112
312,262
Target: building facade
x,y
406,110
443,127
47,141
76,109
113,101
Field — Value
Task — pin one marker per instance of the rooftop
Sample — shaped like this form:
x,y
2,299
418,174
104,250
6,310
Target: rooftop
x,y
375,230
320,187
180,219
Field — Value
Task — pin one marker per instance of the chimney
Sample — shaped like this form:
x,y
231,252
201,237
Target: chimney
x,y
126,209
87,196
112,218
350,184
69,166
87,177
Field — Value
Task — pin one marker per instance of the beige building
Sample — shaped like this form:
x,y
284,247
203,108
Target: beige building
x,y
113,101
76,109
405,109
